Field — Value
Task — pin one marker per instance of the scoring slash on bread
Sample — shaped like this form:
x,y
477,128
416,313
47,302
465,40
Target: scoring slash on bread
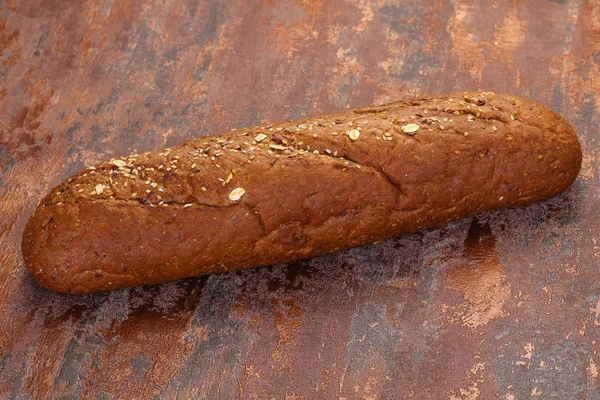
x,y
271,194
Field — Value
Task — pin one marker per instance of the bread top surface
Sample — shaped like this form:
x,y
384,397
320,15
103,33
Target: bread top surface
x,y
197,173
276,192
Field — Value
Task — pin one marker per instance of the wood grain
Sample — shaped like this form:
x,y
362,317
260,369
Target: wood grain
x,y
505,304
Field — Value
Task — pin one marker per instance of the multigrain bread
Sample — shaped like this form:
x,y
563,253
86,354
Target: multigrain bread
x,y
271,194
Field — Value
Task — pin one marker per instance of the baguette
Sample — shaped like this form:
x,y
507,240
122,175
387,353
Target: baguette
x,y
271,194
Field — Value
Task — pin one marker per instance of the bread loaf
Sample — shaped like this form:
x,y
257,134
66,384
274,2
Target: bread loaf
x,y
271,194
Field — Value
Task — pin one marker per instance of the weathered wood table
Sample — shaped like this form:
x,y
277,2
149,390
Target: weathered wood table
x,y
504,304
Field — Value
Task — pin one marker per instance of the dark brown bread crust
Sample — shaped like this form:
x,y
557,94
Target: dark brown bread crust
x,y
271,194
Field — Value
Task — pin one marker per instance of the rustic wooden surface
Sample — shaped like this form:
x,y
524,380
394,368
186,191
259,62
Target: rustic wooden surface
x,y
505,304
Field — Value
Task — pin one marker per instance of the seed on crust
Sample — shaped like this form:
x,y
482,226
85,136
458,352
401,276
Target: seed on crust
x,y
410,129
236,194
229,178
353,134
260,137
99,188
119,163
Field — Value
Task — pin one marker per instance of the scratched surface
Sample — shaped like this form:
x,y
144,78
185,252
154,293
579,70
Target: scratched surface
x,y
505,304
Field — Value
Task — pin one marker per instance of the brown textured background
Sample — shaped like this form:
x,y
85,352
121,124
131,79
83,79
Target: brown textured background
x,y
505,304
